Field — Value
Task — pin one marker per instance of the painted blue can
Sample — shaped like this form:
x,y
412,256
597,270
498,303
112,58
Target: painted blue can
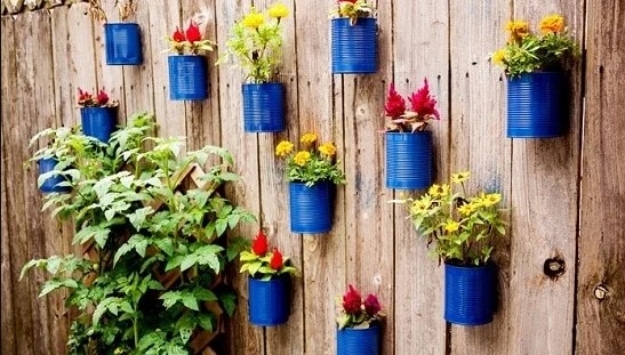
x,y
408,160
310,207
122,44
263,107
354,47
351,341
269,301
188,77
469,294
535,105
98,122
50,184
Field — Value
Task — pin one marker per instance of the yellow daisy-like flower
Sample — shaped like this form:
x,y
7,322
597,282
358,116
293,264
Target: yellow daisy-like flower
x,y
253,20
278,11
301,158
500,56
452,226
518,29
460,177
552,24
308,138
421,205
327,149
466,209
491,199
439,190
284,148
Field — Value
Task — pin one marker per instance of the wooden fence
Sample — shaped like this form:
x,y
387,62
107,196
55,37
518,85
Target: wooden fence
x,y
562,278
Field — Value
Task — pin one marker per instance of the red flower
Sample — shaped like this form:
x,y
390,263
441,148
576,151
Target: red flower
x,y
372,306
395,105
178,36
259,245
193,33
102,98
276,260
83,97
352,301
422,103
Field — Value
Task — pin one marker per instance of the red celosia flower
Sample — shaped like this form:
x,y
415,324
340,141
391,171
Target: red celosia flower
x,y
422,103
102,98
276,260
372,306
259,245
352,301
193,33
395,105
178,36
83,97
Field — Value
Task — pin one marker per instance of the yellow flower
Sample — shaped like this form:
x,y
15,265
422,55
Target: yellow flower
x,y
466,209
328,149
517,30
421,205
284,148
552,24
308,138
491,199
460,177
452,226
439,190
278,11
253,20
301,158
499,56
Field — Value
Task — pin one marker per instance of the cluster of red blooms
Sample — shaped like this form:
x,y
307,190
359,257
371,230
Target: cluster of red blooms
x,y
86,99
260,247
181,39
353,303
421,102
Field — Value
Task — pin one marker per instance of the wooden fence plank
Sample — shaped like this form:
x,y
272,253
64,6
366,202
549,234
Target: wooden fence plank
x,y
545,174
479,144
423,47
601,242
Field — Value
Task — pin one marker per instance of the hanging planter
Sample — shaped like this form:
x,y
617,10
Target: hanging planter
x,y
263,107
269,303
353,341
51,184
98,122
188,77
310,207
469,294
354,45
408,160
535,105
122,44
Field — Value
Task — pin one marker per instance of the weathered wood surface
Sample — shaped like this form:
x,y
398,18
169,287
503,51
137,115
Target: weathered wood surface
x,y
371,244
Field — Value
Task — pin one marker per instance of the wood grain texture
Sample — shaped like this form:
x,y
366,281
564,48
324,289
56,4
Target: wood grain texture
x,y
421,49
601,242
544,216
478,143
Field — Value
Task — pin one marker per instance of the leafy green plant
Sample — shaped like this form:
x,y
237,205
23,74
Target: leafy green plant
x,y
261,263
311,165
256,43
354,9
157,249
459,228
526,52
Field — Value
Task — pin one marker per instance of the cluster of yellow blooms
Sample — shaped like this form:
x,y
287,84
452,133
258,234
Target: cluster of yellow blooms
x,y
256,19
285,148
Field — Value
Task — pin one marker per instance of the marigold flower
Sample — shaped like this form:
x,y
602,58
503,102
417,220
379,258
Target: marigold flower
x,y
452,226
308,138
460,177
259,244
517,30
439,190
178,36
422,102
372,305
352,301
253,20
278,11
276,261
193,33
327,149
552,24
395,105
284,148
499,56
301,158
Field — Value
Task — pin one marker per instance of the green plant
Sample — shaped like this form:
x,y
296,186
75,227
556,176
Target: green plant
x,y
311,165
356,312
256,43
157,248
263,264
526,52
423,109
86,99
354,9
460,229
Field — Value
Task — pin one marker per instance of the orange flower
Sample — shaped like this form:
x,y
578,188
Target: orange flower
x,y
552,24
517,30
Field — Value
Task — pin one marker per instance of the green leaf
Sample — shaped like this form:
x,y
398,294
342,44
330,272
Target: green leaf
x,y
220,226
189,301
253,269
174,262
228,302
203,294
187,262
206,322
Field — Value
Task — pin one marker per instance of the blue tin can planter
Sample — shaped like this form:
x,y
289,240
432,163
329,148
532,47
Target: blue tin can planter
x,y
123,44
469,294
310,207
408,160
269,301
98,122
51,184
351,341
263,107
535,105
354,48
188,77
